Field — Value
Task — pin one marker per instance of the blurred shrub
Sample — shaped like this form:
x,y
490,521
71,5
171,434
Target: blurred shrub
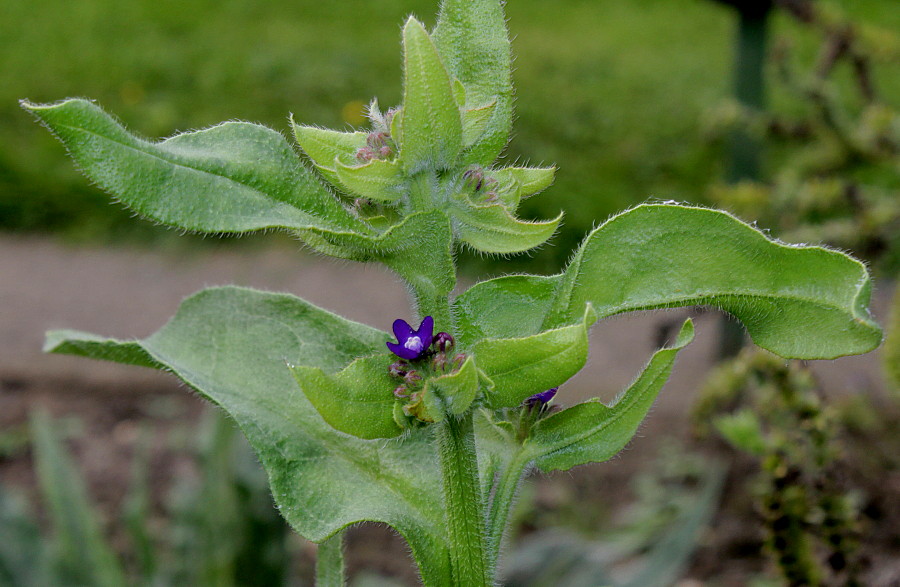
x,y
833,139
820,466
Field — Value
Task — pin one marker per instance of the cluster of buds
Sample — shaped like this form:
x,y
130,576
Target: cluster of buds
x,y
379,144
421,354
480,184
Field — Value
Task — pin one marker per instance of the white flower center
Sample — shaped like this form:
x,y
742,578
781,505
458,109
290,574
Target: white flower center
x,y
413,343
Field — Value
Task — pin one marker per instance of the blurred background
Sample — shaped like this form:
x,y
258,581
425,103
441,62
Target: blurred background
x,y
785,113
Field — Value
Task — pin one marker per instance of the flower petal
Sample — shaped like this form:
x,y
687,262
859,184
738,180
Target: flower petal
x,y
402,352
402,330
426,331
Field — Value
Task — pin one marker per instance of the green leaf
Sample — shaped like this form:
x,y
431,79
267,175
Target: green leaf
x,y
377,180
743,430
797,301
431,127
517,183
493,308
323,146
234,177
81,554
594,432
522,367
472,40
357,400
492,229
232,346
475,122
455,391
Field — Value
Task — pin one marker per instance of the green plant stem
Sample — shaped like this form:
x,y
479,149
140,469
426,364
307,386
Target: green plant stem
x,y
502,502
462,501
330,562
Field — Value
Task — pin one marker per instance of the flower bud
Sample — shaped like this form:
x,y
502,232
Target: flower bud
x,y
474,177
385,152
376,140
365,154
412,377
443,342
398,369
400,391
458,360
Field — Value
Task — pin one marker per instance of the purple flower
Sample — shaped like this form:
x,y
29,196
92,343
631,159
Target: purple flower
x,y
412,344
539,400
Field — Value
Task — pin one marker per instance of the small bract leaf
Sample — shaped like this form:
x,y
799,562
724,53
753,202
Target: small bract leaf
x,y
431,126
517,183
472,40
455,391
233,177
522,367
492,229
593,432
377,180
357,400
323,146
475,122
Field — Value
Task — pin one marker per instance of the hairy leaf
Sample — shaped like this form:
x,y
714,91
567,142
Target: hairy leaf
x,y
377,180
234,177
522,367
232,345
432,129
456,391
471,38
797,301
594,432
492,229
357,400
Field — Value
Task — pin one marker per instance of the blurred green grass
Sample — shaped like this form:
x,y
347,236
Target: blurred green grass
x,y
613,92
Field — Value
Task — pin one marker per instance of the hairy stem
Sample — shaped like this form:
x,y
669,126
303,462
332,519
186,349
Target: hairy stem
x,y
462,500
502,502
330,562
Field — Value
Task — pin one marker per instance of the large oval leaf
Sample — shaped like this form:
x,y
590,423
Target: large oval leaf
x,y
232,345
800,302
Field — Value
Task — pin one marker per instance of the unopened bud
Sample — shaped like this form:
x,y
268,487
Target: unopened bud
x,y
385,152
443,342
439,363
400,391
491,196
458,360
474,177
398,369
376,140
412,377
365,154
